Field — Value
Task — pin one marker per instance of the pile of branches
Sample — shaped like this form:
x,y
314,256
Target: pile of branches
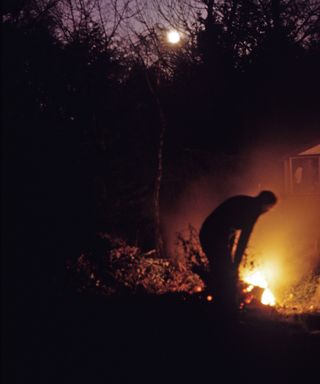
x,y
114,267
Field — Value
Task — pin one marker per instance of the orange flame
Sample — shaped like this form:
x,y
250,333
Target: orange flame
x,y
257,279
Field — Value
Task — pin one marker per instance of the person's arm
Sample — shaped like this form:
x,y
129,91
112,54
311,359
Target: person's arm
x,y
242,244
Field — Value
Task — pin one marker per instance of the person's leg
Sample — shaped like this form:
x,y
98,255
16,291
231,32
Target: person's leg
x,y
231,277
219,264
223,277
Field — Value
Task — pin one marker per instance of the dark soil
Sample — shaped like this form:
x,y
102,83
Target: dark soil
x,y
88,339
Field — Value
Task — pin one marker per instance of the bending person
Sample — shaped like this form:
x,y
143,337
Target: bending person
x,y
217,238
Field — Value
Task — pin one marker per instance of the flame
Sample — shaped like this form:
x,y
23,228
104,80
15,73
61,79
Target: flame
x,y
257,279
249,288
267,298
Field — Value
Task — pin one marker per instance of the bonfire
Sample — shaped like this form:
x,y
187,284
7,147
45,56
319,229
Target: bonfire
x,y
257,286
257,279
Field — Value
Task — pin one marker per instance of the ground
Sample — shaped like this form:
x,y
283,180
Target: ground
x,y
90,339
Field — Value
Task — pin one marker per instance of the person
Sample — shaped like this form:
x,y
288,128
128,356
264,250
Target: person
x,y
218,241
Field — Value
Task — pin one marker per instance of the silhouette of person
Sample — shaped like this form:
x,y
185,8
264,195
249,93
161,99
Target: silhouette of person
x,y
217,238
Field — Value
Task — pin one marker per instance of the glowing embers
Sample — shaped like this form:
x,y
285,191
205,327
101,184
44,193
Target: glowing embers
x,y
257,279
198,289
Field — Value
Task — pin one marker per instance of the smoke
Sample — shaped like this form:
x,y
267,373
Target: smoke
x,y
286,238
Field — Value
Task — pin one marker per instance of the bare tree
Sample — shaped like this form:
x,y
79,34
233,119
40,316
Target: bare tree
x,y
147,36
110,15
244,22
141,46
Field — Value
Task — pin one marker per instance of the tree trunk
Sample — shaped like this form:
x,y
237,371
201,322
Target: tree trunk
x,y
159,174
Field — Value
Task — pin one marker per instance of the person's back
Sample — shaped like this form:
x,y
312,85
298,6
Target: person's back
x,y
236,212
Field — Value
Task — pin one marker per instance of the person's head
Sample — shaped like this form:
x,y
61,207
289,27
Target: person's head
x,y
266,200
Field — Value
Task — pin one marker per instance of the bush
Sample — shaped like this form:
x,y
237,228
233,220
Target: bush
x,y
115,267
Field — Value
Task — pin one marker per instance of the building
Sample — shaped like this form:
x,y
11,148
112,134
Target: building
x,y
302,172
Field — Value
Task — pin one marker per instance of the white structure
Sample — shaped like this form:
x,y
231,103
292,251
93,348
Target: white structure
x,y
302,172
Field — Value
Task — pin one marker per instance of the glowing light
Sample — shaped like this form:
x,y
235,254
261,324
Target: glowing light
x,y
249,288
209,298
173,37
267,298
257,279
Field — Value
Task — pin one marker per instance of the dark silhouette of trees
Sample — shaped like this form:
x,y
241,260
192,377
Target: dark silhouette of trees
x,y
76,94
